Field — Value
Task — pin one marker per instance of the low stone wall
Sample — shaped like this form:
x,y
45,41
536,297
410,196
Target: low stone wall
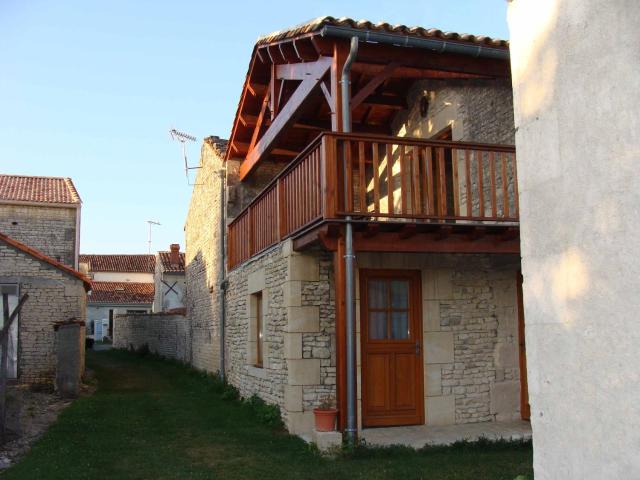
x,y
167,335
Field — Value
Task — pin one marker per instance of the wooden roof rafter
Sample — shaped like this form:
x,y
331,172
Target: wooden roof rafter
x,y
309,74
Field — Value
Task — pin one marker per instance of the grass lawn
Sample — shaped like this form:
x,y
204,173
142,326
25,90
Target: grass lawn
x,y
153,419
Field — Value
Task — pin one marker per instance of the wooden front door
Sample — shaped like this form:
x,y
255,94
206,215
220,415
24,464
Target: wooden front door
x,y
391,340
525,408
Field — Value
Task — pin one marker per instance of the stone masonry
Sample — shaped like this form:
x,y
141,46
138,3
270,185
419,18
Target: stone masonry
x,y
470,334
51,230
299,364
167,335
54,296
203,265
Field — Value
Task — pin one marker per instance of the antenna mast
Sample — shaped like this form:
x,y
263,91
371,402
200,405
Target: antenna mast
x,y
182,138
151,222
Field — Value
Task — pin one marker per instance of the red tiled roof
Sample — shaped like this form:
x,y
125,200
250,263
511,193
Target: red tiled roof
x,y
121,292
165,260
21,188
317,24
44,258
120,263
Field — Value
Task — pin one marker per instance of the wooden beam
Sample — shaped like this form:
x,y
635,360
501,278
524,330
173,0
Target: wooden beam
x,y
412,72
432,243
340,53
387,101
302,71
373,84
408,231
371,230
256,130
477,233
420,58
257,90
328,97
286,117
248,120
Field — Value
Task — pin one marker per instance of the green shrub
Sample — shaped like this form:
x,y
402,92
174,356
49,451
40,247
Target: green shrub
x,y
230,393
264,412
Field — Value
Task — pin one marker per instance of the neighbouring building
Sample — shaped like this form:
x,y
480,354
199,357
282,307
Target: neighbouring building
x,y
576,95
428,179
120,284
57,294
169,280
43,213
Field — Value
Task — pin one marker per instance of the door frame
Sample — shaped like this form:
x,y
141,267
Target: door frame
x,y
525,406
415,309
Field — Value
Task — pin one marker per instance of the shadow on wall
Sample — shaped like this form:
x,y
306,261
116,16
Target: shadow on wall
x,y
560,278
202,313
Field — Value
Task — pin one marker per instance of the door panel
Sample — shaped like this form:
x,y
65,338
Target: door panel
x,y
391,339
404,385
377,374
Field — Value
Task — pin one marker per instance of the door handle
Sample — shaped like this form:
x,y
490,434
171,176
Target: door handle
x,y
418,347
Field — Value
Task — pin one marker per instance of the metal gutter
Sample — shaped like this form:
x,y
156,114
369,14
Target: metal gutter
x,y
435,45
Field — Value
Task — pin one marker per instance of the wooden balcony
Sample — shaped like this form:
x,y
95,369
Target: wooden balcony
x,y
395,183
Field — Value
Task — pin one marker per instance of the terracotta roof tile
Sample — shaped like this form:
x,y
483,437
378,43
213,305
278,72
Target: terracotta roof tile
x,y
165,260
120,263
317,24
44,258
21,188
121,292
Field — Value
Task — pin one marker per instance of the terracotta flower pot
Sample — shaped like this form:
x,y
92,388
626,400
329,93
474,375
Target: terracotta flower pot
x,y
325,419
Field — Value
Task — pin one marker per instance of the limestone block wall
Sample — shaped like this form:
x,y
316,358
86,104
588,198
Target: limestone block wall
x,y
167,335
298,315
470,334
477,111
203,265
54,296
204,268
51,230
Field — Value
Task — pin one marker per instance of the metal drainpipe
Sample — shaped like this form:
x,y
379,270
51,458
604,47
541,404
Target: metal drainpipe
x,y
351,430
223,266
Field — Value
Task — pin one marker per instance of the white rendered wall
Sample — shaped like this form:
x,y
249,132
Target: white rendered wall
x,y
576,83
123,277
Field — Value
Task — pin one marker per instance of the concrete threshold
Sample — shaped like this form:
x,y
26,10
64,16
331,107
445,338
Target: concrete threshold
x,y
420,435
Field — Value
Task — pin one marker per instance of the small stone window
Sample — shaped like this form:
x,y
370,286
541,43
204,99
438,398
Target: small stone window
x,y
259,331
256,345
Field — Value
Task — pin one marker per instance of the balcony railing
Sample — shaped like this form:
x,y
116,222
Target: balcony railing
x,y
389,179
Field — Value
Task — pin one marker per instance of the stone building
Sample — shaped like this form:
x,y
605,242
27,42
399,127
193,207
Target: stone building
x,y
57,293
169,280
44,213
121,283
427,177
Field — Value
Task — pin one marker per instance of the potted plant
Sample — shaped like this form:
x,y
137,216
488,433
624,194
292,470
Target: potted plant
x,y
325,415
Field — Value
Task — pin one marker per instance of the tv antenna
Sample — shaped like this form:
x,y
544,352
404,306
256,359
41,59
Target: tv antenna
x,y
151,222
182,138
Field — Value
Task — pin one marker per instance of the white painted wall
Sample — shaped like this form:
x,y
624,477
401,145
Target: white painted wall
x,y
123,277
576,82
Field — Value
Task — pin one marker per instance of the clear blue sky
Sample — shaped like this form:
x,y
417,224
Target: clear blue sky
x,y
89,90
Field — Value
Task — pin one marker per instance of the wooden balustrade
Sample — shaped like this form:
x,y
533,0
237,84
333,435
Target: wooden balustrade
x,y
388,179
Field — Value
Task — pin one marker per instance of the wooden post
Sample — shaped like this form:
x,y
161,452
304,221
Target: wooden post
x,y
341,345
4,361
340,54
4,343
